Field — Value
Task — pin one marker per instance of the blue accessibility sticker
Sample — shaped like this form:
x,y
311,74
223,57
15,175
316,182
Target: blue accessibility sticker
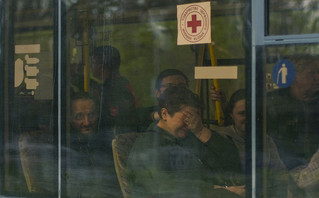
x,y
284,73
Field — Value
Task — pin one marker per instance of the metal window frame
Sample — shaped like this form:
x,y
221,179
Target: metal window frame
x,y
2,62
261,39
60,89
260,29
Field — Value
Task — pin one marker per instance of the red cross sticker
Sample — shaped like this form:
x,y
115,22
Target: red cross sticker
x,y
194,23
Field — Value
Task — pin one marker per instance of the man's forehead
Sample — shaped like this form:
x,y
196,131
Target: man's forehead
x,y
174,78
83,104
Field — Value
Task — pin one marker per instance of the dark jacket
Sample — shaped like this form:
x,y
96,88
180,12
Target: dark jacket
x,y
161,165
294,127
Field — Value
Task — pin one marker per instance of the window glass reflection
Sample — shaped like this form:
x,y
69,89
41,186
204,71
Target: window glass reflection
x,y
90,167
292,17
121,59
292,113
30,151
125,60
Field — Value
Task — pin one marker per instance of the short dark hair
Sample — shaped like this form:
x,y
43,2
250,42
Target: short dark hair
x,y
108,56
175,97
83,96
166,73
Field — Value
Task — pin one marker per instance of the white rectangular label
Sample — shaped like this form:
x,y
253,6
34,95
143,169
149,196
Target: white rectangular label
x,y
216,72
24,49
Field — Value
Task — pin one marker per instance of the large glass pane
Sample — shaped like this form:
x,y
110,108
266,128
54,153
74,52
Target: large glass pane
x,y
115,52
291,118
30,160
119,69
292,17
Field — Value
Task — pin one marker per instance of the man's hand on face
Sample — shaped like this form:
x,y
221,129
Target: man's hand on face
x,y
193,119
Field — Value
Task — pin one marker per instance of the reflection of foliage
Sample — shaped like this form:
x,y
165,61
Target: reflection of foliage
x,y
227,34
147,50
31,14
293,17
148,41
274,54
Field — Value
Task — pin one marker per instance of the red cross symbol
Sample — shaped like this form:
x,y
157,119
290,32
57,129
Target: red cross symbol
x,y
194,24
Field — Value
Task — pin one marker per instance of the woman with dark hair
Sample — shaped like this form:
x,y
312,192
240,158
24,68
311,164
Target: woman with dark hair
x,y
235,130
236,113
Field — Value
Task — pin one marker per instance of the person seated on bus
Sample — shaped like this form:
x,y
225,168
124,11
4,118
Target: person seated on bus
x,y
180,157
293,116
90,161
117,99
307,176
83,122
167,78
235,130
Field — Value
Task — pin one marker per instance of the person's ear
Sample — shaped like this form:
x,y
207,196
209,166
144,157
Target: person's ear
x,y
164,113
157,93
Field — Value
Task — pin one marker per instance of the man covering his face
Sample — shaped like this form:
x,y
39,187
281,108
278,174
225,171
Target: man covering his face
x,y
180,157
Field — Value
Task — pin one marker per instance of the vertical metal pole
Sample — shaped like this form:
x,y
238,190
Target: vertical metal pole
x,y
2,88
86,51
59,95
219,115
253,122
258,37
258,34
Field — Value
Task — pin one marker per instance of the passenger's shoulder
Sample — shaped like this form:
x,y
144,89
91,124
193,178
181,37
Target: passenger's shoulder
x,y
145,140
224,131
221,138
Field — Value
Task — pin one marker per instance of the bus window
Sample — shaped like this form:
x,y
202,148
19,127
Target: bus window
x,y
291,18
291,93
30,147
122,57
120,64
